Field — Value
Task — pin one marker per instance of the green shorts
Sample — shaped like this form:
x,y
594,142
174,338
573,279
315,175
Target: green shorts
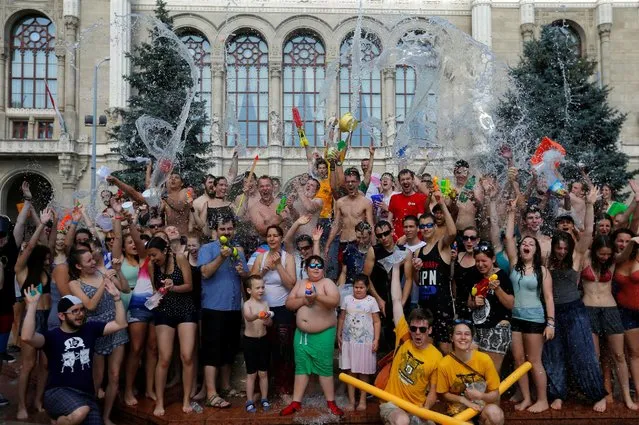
x,y
314,352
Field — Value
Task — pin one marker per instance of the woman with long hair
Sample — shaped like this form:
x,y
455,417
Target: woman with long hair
x,y
216,208
277,268
171,274
89,275
533,314
464,267
605,321
32,269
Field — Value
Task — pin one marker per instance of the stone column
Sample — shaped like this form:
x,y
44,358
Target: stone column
x,y
70,115
31,131
275,87
482,21
219,95
120,44
275,141
604,26
60,54
3,83
527,19
218,137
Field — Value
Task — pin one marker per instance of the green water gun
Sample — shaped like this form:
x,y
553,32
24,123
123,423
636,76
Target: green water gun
x,y
468,187
281,206
444,186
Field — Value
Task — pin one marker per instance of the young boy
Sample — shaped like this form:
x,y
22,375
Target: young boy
x,y
256,350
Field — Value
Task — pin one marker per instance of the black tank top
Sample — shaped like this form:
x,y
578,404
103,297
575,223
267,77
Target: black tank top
x,y
434,279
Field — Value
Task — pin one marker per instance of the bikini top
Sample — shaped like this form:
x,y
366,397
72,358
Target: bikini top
x,y
589,275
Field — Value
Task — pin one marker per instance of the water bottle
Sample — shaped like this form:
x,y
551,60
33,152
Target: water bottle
x,y
196,407
154,300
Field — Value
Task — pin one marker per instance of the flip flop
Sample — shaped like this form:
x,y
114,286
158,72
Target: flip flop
x,y
217,402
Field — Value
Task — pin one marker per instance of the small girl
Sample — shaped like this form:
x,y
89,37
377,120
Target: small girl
x,y
256,348
358,332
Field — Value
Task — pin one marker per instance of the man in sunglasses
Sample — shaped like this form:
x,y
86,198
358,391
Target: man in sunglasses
x,y
413,373
69,396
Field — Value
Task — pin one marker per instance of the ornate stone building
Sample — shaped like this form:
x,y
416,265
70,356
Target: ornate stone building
x,y
260,57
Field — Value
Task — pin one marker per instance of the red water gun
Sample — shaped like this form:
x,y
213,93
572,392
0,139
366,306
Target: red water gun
x,y
300,127
481,288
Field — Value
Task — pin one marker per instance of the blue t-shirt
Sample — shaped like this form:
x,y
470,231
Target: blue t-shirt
x,y
71,355
222,291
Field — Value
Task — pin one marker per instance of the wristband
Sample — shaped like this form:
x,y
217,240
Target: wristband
x,y
550,318
550,325
27,198
119,217
118,299
75,223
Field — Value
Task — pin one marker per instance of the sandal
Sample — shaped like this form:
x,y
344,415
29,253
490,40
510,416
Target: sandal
x,y
265,405
218,402
250,406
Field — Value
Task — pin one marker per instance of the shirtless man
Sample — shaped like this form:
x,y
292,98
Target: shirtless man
x,y
264,212
532,227
306,203
316,320
208,195
349,210
175,207
578,204
469,207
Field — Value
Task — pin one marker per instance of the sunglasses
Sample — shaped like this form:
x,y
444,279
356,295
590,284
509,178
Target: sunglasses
x,y
383,234
482,247
422,329
304,248
108,239
154,226
317,266
462,322
427,225
469,238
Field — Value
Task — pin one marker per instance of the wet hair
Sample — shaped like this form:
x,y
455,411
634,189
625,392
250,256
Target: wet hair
x,y
303,238
363,226
553,261
389,175
223,219
75,260
598,243
473,228
419,314
361,277
217,180
35,266
625,230
248,173
252,278
484,247
315,258
85,231
209,176
277,228
605,216
157,243
412,218
276,180
436,208
461,163
321,161
382,223
532,209
353,173
427,215
265,177
537,263
317,182
458,322
406,171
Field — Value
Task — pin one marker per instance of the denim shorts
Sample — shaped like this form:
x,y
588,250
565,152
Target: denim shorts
x,y
629,318
143,315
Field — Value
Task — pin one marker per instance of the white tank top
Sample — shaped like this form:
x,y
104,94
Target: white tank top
x,y
275,293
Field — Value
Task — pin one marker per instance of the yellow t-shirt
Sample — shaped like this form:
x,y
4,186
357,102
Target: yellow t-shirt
x,y
453,377
413,370
325,194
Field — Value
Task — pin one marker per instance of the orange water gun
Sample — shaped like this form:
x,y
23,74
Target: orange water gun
x,y
481,288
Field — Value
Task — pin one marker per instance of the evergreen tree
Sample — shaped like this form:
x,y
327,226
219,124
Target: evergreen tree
x,y
557,97
159,80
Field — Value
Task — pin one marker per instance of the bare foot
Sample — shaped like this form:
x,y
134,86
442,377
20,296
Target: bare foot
x,y
556,405
361,406
538,407
349,407
186,408
100,394
600,406
158,411
287,399
523,405
151,395
609,398
22,414
38,407
631,404
130,400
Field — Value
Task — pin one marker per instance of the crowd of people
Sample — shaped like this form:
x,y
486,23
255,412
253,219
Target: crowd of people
x,y
443,284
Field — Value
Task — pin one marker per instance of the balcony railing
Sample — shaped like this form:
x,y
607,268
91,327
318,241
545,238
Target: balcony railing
x,y
42,147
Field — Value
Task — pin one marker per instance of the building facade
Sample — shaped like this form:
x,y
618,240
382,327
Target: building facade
x,y
258,58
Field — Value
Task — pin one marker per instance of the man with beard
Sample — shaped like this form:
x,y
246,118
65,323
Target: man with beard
x,y
349,210
208,195
69,396
264,212
408,202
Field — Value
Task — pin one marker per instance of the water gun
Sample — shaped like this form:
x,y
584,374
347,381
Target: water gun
x,y
436,184
224,241
309,289
444,187
468,187
480,289
281,206
265,315
300,127
189,195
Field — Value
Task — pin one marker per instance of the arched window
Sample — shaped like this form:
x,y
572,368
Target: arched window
x,y
33,63
425,126
572,36
200,48
370,98
247,86
304,60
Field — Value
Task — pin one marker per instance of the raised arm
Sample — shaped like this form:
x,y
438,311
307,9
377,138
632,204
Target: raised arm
x,y
371,159
589,222
28,334
451,228
396,295
408,276
511,246
495,231
289,238
18,229
130,191
336,227
21,262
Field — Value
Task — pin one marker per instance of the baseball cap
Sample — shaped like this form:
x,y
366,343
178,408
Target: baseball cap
x,y
67,302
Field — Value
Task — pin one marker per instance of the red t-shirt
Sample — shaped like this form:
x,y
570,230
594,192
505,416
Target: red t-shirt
x,y
401,205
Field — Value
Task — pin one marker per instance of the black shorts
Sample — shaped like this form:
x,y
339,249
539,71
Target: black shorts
x,y
220,336
163,318
605,321
63,401
256,354
526,327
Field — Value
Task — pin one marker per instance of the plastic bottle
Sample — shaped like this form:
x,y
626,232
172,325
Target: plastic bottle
x,y
265,315
154,300
196,407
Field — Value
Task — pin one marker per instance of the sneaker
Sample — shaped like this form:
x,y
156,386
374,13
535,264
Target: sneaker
x,y
6,357
334,409
295,406
3,401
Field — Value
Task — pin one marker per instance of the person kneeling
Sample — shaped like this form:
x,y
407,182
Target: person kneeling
x,y
468,378
69,396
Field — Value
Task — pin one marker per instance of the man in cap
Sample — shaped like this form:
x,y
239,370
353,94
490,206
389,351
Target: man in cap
x,y
69,396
